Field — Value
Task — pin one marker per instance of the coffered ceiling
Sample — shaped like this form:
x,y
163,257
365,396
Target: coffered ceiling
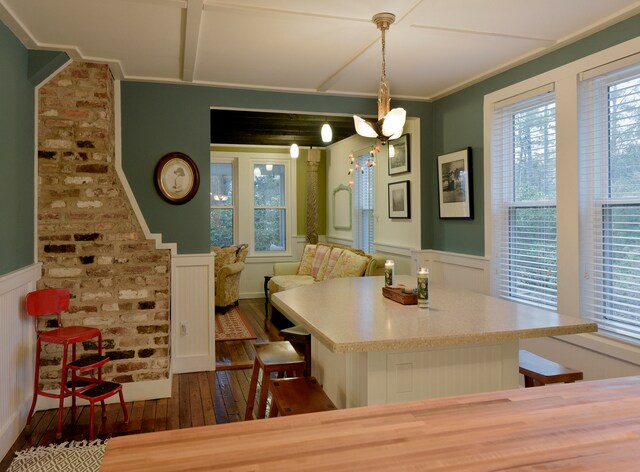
x,y
326,47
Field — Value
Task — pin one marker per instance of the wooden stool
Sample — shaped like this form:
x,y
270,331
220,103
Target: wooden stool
x,y
298,395
279,357
299,336
540,371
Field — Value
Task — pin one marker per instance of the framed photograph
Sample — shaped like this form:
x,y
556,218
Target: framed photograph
x,y
454,185
399,161
177,178
399,200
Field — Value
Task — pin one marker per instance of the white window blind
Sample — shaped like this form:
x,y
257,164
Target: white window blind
x,y
610,197
523,173
363,183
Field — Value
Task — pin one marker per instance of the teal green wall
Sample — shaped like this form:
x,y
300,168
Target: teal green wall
x,y
16,155
160,118
458,123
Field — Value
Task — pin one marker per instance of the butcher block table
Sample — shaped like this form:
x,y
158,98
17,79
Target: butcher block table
x,y
586,426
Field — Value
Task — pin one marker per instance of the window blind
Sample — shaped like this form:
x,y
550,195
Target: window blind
x,y
610,197
523,171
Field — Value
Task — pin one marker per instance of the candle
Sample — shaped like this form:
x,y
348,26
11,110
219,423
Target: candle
x,y
388,272
423,287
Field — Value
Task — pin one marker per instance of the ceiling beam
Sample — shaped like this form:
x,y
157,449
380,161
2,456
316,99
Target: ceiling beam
x,y
193,24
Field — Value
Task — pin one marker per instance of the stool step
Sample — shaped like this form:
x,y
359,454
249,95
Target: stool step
x,y
540,371
88,363
78,383
299,395
104,390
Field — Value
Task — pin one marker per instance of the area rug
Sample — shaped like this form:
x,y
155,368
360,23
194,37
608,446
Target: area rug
x,y
76,456
232,326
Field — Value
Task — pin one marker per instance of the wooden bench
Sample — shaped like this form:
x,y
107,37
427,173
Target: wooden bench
x,y
539,371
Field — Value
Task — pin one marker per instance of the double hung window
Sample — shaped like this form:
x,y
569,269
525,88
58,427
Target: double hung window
x,y
222,215
523,163
610,196
363,183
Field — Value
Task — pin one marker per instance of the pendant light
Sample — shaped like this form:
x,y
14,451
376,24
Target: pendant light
x,y
390,122
294,151
326,133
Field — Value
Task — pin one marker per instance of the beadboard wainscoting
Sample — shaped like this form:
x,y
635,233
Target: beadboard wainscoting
x,y
17,353
192,313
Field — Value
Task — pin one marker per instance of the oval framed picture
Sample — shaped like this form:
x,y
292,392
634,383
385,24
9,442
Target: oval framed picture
x,y
177,178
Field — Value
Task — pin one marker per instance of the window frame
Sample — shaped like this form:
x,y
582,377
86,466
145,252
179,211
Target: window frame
x,y
244,160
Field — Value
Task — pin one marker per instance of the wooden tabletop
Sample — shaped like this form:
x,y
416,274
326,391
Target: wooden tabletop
x,y
351,315
592,426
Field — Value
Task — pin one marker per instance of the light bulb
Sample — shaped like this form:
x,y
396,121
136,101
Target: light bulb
x,y
256,172
294,151
269,167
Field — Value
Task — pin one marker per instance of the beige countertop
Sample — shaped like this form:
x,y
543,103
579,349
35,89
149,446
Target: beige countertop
x,y
351,315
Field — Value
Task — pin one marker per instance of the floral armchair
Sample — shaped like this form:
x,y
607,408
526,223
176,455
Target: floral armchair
x,y
228,265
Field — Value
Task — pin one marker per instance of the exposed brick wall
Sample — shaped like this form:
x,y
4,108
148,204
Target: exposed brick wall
x,y
89,238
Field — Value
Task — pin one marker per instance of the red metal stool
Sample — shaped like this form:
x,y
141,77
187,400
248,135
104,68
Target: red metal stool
x,y
55,301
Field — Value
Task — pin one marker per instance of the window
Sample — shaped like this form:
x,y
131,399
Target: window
x,y
222,207
523,163
363,183
250,201
269,207
610,197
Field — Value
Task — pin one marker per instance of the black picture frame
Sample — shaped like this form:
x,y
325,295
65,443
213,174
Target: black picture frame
x,y
401,161
177,178
400,199
455,185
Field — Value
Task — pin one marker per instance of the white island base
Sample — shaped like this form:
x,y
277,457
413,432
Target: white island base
x,y
353,379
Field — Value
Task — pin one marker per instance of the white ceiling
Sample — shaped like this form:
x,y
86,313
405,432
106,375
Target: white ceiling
x,y
328,46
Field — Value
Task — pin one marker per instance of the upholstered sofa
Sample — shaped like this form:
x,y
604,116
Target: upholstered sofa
x,y
322,262
228,265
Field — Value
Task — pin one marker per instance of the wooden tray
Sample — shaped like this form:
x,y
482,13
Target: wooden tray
x,y
398,295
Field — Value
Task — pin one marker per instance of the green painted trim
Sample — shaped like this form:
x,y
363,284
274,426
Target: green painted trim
x,y
342,188
17,155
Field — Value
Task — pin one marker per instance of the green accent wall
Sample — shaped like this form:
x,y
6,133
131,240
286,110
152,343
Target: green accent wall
x,y
458,123
43,63
16,155
160,118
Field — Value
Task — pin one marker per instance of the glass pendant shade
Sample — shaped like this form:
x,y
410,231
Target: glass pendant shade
x,y
326,133
269,167
294,151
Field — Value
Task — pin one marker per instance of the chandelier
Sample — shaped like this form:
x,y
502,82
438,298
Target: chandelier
x,y
390,122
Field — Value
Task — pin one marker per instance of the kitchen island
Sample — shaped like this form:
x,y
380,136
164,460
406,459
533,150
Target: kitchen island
x,y
367,349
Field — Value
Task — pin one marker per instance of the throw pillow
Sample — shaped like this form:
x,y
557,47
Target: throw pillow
x,y
349,264
320,259
331,263
307,259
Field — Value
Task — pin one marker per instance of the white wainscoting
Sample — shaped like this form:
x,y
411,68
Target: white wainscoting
x,y
17,353
193,313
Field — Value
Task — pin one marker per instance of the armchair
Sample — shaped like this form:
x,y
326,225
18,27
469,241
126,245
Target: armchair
x,y
228,264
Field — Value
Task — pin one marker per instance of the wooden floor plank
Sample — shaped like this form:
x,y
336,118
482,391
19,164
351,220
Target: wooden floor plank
x,y
198,398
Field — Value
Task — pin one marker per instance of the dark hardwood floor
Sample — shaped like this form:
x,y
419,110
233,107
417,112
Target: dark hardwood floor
x,y
197,399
